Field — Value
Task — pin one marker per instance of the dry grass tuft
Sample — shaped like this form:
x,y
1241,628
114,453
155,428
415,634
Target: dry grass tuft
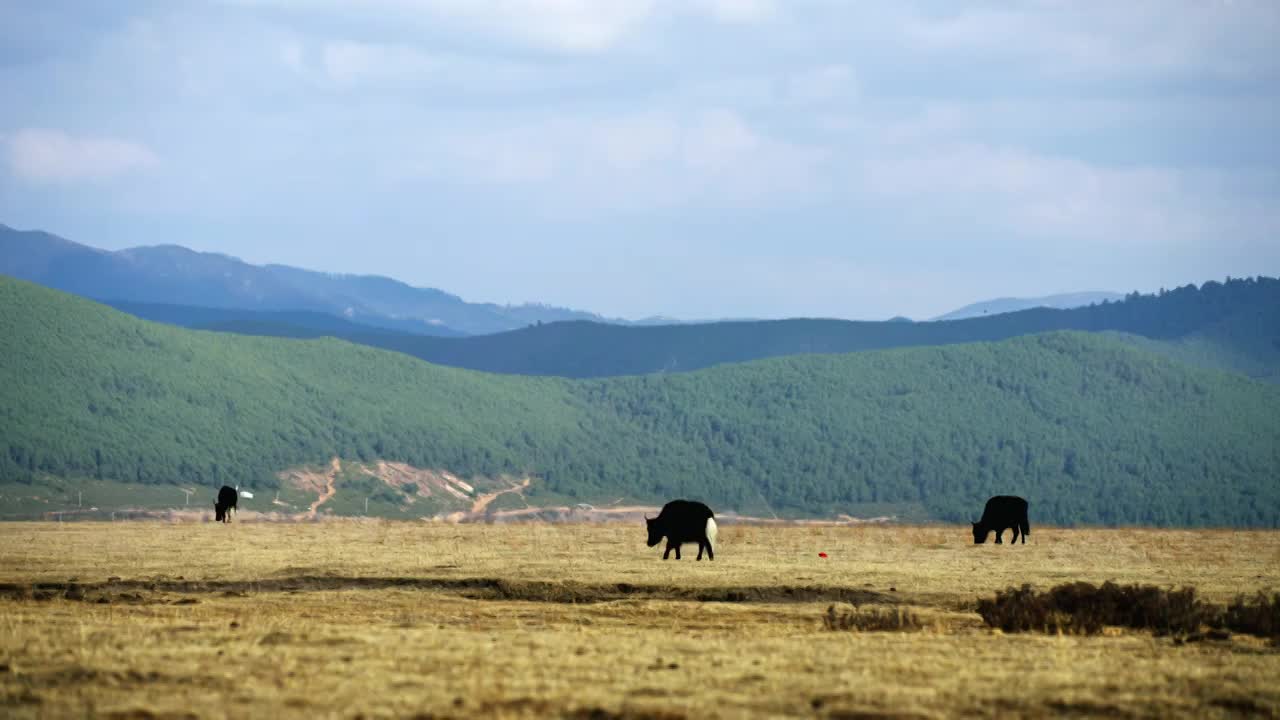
x,y
1262,618
1081,608
872,619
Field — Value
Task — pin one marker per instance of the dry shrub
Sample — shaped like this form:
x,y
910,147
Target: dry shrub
x,y
1262,618
874,619
1081,608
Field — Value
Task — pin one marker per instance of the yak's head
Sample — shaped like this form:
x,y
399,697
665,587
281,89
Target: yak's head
x,y
655,531
218,512
979,534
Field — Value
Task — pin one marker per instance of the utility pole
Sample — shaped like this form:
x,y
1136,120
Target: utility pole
x,y
366,505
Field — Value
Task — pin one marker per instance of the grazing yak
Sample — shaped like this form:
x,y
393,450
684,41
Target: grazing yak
x,y
1002,512
683,521
226,503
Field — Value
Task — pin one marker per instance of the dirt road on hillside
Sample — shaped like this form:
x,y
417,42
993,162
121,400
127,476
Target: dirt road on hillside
x,y
335,466
482,501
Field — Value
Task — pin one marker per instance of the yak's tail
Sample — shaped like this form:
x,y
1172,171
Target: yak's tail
x,y
711,531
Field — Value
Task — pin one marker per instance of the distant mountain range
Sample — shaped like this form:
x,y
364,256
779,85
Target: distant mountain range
x,y
179,286
174,275
1065,301
1233,326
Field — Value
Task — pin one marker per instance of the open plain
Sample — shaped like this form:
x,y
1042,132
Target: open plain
x,y
378,618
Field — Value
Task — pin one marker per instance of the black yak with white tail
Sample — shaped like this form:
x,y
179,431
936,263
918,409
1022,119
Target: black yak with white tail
x,y
227,497
684,521
1001,513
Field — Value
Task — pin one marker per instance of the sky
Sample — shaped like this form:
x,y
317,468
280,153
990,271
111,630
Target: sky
x,y
685,158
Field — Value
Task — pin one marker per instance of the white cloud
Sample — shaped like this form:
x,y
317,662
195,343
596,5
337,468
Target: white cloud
x,y
567,25
626,162
1136,38
561,25
571,26
53,156
1053,199
738,11
351,63
292,55
821,84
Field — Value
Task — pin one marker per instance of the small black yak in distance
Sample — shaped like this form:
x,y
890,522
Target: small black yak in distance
x,y
1003,512
684,521
226,503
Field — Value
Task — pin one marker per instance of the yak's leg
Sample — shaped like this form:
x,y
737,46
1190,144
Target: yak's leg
x,y
1014,539
677,551
999,536
667,554
705,543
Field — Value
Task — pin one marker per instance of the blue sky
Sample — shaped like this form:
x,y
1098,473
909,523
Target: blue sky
x,y
692,158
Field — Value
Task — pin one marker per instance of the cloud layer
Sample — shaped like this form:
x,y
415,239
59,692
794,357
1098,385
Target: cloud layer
x,y
51,156
694,158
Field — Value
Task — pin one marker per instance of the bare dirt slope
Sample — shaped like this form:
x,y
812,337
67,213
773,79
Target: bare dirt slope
x,y
445,489
426,482
322,482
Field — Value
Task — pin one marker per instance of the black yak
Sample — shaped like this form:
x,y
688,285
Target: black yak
x,y
226,503
1003,512
683,521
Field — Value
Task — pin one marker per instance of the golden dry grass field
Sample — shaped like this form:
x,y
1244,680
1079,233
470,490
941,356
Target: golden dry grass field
x,y
396,619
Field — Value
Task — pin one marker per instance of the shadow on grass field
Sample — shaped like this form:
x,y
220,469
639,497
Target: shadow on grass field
x,y
347,619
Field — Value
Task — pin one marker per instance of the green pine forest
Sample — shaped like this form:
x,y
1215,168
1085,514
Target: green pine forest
x,y
1092,428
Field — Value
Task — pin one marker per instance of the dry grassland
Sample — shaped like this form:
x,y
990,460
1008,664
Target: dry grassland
x,y
374,618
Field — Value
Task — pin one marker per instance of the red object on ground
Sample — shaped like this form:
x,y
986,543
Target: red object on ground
x,y
822,555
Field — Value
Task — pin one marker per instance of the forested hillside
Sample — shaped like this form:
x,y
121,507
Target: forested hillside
x,y
1233,326
1087,427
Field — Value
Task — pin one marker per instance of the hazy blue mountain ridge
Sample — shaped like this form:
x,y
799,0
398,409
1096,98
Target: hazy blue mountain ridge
x,y
174,275
1064,301
1233,326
